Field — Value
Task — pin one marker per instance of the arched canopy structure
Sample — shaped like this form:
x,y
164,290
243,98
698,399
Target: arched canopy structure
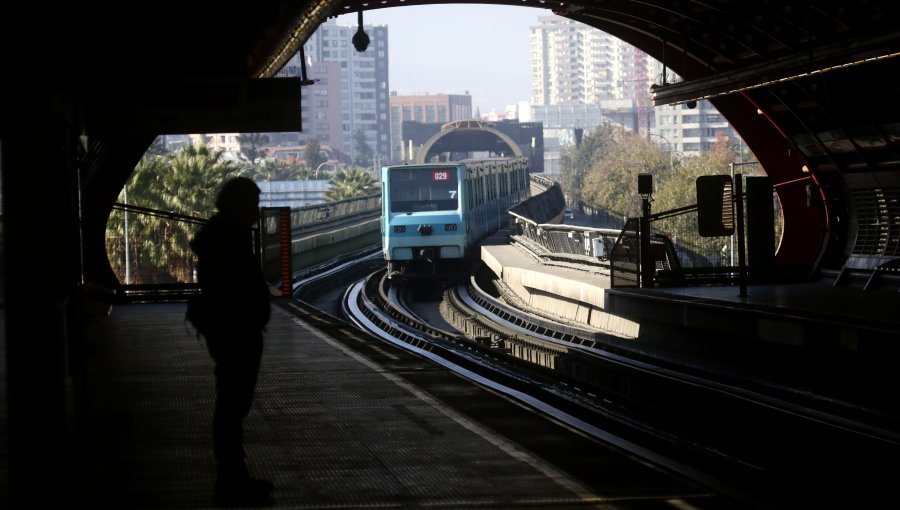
x,y
808,85
468,136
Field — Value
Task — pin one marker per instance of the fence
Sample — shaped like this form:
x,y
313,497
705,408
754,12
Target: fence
x,y
679,254
149,250
147,247
311,216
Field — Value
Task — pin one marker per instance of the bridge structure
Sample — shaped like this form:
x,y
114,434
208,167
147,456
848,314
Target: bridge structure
x,y
471,136
809,87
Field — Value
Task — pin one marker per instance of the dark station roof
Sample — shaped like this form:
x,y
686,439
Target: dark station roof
x,y
810,86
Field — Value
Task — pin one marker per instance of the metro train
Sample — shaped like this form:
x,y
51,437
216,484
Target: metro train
x,y
434,215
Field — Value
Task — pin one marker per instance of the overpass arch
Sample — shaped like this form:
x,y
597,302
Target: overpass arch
x,y
467,136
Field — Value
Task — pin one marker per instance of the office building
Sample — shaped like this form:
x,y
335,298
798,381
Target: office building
x,y
321,112
427,109
363,83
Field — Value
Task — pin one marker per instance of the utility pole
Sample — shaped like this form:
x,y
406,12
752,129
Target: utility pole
x,y
648,263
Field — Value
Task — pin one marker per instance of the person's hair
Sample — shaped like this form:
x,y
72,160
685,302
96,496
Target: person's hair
x,y
236,192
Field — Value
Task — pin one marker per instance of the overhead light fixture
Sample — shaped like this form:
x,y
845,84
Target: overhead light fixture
x,y
304,80
360,38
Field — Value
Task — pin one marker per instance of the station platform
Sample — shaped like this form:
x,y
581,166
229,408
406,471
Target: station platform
x,y
813,314
835,345
344,420
340,420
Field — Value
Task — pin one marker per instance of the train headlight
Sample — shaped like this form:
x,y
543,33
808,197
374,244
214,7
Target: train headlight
x,y
450,227
399,229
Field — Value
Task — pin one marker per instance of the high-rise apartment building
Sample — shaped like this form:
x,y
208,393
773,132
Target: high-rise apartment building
x,y
363,83
573,63
321,113
692,130
350,93
428,108
559,123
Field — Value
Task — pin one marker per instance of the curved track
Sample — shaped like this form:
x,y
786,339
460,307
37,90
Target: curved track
x,y
753,445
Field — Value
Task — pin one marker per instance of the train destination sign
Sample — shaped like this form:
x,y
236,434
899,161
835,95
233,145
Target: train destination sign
x,y
442,175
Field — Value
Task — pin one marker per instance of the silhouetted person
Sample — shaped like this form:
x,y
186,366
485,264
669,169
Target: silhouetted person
x,y
233,287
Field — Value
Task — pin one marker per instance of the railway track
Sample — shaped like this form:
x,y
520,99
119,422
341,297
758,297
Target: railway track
x,y
752,445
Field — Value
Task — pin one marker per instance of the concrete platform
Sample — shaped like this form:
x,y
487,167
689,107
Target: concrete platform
x,y
814,315
834,344
340,420
573,295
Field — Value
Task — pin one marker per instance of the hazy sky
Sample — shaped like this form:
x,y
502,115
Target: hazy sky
x,y
454,48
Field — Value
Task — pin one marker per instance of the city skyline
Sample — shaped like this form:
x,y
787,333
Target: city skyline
x,y
496,36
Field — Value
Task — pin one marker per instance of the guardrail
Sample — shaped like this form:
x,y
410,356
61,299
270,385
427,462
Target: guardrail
x,y
313,216
149,250
678,253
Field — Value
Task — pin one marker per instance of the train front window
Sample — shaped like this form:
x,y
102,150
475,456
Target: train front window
x,y
423,189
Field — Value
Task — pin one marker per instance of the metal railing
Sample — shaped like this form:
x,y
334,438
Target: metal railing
x,y
313,216
679,254
149,250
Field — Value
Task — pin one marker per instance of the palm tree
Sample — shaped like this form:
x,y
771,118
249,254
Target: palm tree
x,y
127,255
349,183
253,145
184,183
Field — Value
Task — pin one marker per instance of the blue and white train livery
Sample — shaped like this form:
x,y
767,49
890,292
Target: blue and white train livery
x,y
435,214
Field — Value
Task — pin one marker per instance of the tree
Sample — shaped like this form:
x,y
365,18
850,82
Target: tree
x,y
577,161
127,232
362,153
253,145
611,181
185,182
679,189
277,170
353,182
313,153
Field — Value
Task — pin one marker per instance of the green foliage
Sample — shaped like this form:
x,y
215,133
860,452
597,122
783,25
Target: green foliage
x,y
362,153
611,181
349,183
312,153
679,189
277,170
610,184
185,182
576,162
253,145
